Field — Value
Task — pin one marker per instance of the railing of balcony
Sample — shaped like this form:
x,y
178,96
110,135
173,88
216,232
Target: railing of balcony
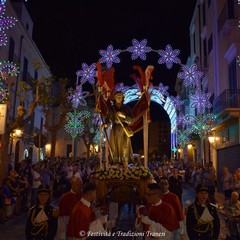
x,y
227,99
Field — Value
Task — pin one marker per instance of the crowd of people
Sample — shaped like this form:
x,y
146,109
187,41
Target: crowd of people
x,y
30,188
19,189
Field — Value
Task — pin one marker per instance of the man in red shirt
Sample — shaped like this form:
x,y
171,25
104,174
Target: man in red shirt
x,y
174,201
66,204
158,217
83,221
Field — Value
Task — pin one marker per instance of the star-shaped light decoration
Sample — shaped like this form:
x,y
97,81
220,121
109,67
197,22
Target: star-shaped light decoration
x,y
139,49
190,75
78,97
174,149
176,102
169,56
87,73
200,100
110,56
163,89
8,69
180,120
121,87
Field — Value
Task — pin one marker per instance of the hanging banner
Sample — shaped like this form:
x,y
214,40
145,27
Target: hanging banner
x,y
3,117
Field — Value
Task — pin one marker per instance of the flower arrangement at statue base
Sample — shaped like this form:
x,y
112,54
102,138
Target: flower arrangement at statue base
x,y
113,177
114,172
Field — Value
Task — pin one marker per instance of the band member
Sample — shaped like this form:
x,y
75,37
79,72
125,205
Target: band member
x,y
202,217
42,218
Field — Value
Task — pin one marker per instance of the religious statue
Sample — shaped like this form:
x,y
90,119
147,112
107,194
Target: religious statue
x,y
120,116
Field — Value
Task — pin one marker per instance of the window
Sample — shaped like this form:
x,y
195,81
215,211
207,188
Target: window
x,y
230,6
210,44
36,75
205,53
204,14
194,42
11,50
209,3
25,69
232,74
41,125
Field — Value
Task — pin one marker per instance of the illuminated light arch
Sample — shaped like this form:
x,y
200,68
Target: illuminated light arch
x,y
132,94
168,56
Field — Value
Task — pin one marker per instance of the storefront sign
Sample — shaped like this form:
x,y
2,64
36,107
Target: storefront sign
x,y
3,117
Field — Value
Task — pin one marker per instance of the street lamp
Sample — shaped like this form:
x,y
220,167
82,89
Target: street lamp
x,y
213,149
211,139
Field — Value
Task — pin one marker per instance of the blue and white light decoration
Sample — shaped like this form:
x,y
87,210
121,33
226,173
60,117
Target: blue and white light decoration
x,y
159,94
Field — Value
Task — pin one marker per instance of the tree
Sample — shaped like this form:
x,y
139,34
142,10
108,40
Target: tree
x,y
56,105
19,121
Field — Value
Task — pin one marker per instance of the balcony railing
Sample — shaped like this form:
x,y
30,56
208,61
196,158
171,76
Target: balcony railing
x,y
227,99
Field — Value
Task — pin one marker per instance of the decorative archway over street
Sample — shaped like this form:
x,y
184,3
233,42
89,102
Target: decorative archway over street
x,y
199,100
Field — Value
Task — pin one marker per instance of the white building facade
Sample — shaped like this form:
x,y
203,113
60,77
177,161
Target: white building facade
x,y
215,48
21,50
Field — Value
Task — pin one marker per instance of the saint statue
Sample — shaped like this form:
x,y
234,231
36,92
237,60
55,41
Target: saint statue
x,y
120,116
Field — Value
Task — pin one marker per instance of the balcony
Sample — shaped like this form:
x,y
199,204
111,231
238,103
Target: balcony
x,y
227,104
227,20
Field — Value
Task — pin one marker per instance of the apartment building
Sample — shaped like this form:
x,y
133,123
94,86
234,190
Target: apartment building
x,y
21,50
215,48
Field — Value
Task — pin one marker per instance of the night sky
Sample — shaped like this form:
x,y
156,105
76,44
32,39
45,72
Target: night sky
x,y
72,32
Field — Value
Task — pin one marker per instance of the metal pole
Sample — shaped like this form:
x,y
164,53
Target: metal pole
x,y
100,150
39,141
73,138
145,137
